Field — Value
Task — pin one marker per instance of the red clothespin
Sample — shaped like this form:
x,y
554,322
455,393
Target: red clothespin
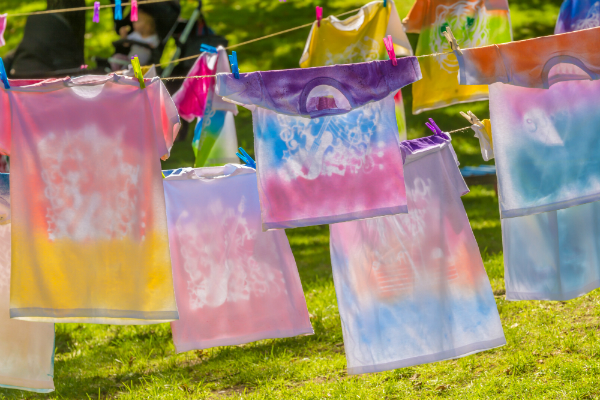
x,y
319,15
389,46
134,11
96,12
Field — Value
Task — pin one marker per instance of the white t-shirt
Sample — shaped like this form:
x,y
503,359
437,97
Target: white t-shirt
x,y
26,348
234,283
412,288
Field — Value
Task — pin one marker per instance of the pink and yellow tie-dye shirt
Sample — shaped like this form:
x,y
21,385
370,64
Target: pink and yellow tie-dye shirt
x,y
89,230
234,283
326,140
411,288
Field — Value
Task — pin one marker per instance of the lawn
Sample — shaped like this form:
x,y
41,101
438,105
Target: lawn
x,y
552,351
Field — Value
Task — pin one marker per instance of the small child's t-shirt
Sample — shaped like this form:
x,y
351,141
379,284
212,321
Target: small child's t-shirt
x,y
543,119
576,15
326,140
412,288
89,229
234,283
26,348
474,23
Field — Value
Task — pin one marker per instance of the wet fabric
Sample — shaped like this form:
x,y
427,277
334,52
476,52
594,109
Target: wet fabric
x,y
326,140
359,38
576,15
544,148
411,288
234,283
474,23
26,348
89,230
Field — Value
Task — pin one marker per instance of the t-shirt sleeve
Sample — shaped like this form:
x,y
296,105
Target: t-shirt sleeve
x,y
166,118
5,123
396,30
481,66
451,163
493,5
246,91
416,15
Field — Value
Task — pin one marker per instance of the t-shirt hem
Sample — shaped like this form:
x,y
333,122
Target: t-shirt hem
x,y
334,219
93,316
563,296
27,384
243,339
442,104
522,212
429,358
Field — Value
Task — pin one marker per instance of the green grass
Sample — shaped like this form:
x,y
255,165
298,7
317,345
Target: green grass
x,y
553,349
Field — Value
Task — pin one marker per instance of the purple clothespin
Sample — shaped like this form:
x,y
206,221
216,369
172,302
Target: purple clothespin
x,y
433,126
389,46
96,12
319,15
134,11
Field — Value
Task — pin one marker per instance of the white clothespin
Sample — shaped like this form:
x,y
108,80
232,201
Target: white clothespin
x,y
481,133
452,40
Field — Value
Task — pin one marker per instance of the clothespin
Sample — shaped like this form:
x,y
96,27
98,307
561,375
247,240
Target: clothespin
x,y
137,71
208,49
389,46
3,75
245,157
473,120
234,65
134,11
452,40
384,3
118,10
96,12
433,126
319,15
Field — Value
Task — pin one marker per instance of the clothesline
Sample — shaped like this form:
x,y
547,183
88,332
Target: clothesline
x,y
81,8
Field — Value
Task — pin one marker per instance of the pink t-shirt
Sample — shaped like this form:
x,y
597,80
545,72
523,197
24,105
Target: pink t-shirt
x,y
89,230
234,283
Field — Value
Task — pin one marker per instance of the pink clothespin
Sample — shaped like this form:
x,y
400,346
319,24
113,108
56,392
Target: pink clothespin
x,y
96,12
134,11
389,46
319,15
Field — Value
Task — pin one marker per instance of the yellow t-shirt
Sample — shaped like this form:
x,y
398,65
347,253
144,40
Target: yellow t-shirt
x,y
474,23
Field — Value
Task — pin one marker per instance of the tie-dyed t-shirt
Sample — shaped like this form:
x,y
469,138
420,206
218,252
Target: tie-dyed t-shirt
x,y
26,348
578,14
326,140
474,23
359,38
89,230
546,153
234,283
412,288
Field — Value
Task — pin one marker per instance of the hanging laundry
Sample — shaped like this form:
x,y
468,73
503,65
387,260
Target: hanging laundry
x,y
234,284
412,288
474,23
553,255
2,29
215,137
90,240
326,140
577,14
26,348
359,38
544,148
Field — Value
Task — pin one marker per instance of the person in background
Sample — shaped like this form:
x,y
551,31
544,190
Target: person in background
x,y
52,45
140,42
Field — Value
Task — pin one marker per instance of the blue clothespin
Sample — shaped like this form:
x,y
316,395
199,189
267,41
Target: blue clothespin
x,y
384,3
234,65
3,75
118,10
204,48
245,157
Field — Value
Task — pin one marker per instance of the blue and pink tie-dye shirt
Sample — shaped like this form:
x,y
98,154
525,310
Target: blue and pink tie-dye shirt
x,y
578,14
326,140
